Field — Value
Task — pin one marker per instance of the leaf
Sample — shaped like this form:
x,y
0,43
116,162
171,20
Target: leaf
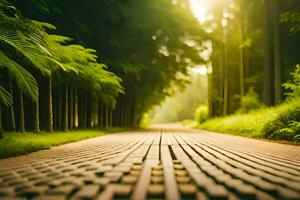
x,y
5,97
24,48
25,81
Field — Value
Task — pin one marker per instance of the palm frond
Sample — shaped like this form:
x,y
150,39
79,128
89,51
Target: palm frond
x,y
5,97
44,25
24,48
25,81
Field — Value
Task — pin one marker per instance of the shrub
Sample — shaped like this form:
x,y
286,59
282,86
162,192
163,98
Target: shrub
x,y
297,138
294,85
249,102
286,125
278,123
201,114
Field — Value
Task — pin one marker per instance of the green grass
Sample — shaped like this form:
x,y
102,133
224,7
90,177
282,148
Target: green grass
x,y
22,143
250,124
258,124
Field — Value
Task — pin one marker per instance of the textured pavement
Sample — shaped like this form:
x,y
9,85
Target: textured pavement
x,y
171,164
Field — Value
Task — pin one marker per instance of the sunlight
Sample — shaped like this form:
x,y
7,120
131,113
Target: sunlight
x,y
200,69
200,10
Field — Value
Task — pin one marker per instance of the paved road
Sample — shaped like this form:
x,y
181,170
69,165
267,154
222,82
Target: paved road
x,y
172,164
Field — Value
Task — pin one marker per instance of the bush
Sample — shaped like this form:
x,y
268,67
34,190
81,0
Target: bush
x,y
278,123
294,85
297,138
249,102
286,125
201,114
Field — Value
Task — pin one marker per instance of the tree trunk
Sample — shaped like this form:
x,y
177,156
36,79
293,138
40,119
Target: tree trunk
x,y
100,115
246,64
267,64
84,109
122,108
215,79
12,113
66,108
126,110
89,113
110,116
45,104
277,54
50,108
80,110
210,93
36,117
106,118
1,128
242,38
21,113
221,84
71,120
226,82
75,115
59,114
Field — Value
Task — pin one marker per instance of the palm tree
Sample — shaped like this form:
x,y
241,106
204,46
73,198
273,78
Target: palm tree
x,y
6,98
23,51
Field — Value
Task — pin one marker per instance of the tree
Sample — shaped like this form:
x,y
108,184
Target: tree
x,y
33,59
143,43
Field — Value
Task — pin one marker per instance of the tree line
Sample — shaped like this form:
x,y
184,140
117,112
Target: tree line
x,y
49,82
60,84
142,49
255,48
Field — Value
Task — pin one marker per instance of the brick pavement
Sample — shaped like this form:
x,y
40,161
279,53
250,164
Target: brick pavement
x,y
169,165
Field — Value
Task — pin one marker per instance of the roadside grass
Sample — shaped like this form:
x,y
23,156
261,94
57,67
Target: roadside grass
x,y
21,143
250,125
270,123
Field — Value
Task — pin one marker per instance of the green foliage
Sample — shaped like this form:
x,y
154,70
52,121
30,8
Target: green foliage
x,y
286,125
249,124
22,40
144,43
277,123
5,97
25,47
292,17
249,102
23,78
201,114
294,85
84,69
21,48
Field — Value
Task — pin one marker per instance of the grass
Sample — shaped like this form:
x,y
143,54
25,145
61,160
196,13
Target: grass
x,y
256,123
21,143
250,124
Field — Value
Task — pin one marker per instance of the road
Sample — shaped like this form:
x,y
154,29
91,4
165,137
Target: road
x,y
170,164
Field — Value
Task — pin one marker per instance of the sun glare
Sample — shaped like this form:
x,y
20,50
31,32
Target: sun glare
x,y
200,10
201,69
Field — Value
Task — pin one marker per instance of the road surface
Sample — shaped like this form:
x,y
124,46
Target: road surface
x,y
171,164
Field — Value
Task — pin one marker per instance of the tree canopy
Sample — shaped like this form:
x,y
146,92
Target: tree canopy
x,y
146,44
88,63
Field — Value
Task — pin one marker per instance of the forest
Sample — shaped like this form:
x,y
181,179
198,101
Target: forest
x,y
82,64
